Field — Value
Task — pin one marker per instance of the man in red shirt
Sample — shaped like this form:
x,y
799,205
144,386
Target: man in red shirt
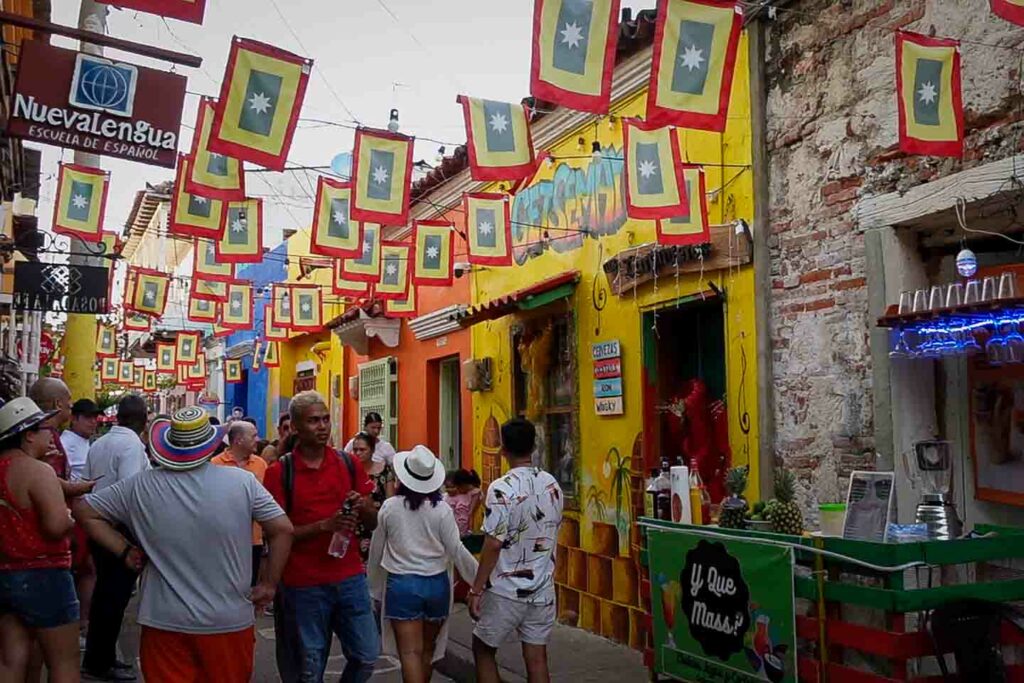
x,y
323,592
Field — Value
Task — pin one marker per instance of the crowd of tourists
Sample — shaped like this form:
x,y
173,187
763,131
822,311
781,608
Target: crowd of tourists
x,y
213,527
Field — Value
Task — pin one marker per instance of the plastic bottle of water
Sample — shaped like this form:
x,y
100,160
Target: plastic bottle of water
x,y
341,539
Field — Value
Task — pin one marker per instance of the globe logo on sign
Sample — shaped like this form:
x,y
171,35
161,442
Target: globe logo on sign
x,y
102,85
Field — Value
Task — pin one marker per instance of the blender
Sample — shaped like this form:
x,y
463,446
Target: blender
x,y
930,466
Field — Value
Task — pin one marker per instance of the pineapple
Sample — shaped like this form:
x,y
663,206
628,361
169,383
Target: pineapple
x,y
734,507
785,516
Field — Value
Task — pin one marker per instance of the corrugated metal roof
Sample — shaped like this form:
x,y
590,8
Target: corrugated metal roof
x,y
437,323
513,301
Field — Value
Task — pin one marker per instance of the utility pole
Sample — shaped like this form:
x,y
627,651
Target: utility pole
x,y
80,329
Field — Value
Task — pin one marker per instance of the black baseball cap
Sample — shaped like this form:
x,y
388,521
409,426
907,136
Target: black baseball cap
x,y
85,406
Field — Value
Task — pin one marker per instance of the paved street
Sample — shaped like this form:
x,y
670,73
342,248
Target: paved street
x,y
577,656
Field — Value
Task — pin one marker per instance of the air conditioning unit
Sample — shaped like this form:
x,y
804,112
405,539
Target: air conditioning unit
x,y
477,374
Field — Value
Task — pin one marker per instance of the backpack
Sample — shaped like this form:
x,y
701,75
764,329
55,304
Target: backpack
x,y
288,476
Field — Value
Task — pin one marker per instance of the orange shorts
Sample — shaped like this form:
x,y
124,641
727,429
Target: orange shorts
x,y
172,657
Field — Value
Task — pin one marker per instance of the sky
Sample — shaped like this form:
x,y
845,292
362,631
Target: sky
x,y
370,56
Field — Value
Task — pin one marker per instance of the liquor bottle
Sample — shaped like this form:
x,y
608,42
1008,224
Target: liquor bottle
x,y
651,494
700,501
663,484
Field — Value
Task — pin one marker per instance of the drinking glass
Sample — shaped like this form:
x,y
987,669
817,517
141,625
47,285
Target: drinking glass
x,y
972,293
988,289
1007,286
921,301
900,350
995,349
1014,345
954,295
970,345
906,302
936,298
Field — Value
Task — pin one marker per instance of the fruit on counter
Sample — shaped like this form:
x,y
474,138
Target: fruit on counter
x,y
785,516
734,507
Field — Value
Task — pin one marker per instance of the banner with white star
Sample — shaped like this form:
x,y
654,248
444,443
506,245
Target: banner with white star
x,y
137,322
149,291
260,100
271,359
928,92
307,308
81,202
693,228
272,331
195,373
282,299
184,10
109,369
232,370
206,264
165,358
401,308
347,287
187,348
654,174
488,228
498,139
394,271
574,52
433,242
237,311
126,372
212,175
381,177
219,331
242,241
149,380
139,381
334,233
202,310
366,268
193,215
211,290
106,341
257,356
1010,10
695,45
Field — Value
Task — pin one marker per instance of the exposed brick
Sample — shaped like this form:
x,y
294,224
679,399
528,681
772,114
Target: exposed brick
x,y
855,283
816,276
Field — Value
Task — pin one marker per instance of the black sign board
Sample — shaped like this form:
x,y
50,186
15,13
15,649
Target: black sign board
x,y
60,288
715,599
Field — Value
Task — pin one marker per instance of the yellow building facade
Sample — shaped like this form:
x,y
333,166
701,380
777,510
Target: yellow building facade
x,y
570,221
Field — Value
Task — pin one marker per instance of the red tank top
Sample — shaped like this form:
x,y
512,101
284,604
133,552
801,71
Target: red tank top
x,y
22,545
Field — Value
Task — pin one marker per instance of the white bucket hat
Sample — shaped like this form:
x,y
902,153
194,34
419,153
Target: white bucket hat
x,y
419,470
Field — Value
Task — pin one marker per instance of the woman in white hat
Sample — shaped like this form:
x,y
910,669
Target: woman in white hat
x,y
37,591
414,547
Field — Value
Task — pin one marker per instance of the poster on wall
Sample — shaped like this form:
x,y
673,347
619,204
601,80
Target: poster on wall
x,y
608,391
722,610
997,432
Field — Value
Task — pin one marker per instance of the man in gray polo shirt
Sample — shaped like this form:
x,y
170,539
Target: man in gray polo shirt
x,y
193,522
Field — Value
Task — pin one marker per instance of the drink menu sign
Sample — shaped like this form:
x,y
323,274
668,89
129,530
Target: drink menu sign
x,y
94,104
723,611
607,357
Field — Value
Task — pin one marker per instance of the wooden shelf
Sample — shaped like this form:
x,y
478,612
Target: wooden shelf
x,y
892,319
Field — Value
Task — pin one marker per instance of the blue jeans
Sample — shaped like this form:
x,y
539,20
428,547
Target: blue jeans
x,y
39,598
315,612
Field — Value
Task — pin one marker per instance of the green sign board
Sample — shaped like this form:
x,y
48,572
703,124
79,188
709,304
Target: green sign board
x,y
723,608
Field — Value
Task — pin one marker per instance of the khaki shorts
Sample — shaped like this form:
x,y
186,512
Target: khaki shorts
x,y
500,616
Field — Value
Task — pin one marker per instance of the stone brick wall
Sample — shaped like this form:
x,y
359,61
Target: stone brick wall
x,y
832,139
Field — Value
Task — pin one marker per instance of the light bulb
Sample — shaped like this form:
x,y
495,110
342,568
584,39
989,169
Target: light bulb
x,y
966,262
393,122
551,162
596,151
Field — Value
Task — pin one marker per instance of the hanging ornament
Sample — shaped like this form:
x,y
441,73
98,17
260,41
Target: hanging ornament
x,y
966,263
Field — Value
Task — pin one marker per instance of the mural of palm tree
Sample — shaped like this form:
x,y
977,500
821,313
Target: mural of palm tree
x,y
618,467
596,502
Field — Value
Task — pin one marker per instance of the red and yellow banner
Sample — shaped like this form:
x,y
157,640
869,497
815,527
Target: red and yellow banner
x,y
334,232
693,228
186,348
348,287
272,332
381,177
81,202
394,271
270,356
282,296
401,308
653,174
212,175
498,139
185,10
237,311
928,94
106,341
149,291
366,268
109,369
242,241
193,215
202,310
307,308
165,357
488,228
232,371
433,243
1010,10
207,266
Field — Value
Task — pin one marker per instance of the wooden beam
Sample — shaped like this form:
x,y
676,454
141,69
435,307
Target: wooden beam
x,y
12,19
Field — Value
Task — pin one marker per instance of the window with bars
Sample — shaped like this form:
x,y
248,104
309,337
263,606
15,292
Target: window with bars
x,y
378,393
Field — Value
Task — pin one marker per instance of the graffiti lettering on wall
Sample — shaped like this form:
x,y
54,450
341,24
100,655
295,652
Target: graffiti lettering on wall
x,y
575,199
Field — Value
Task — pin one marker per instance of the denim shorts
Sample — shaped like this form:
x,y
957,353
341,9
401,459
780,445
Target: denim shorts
x,y
40,598
411,597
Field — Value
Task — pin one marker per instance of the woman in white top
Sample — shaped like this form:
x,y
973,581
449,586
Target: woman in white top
x,y
414,546
383,451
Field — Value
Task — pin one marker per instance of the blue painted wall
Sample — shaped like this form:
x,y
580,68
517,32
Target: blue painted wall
x,y
252,394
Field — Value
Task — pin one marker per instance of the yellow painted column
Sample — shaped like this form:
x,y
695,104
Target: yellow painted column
x,y
80,355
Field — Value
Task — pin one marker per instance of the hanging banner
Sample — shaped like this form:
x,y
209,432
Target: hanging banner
x,y
695,45
137,322
94,104
394,271
242,241
1010,10
193,215
574,52
433,245
126,372
488,228
184,10
257,356
693,228
654,174
149,292
401,308
81,202
212,175
61,288
149,380
366,268
270,356
106,341
206,265
282,296
498,139
260,100
232,371
109,369
237,312
381,177
210,290
723,610
929,96
271,331
165,357
186,348
307,308
347,287
202,310
334,233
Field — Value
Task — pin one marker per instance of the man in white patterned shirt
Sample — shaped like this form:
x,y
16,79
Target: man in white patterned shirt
x,y
514,590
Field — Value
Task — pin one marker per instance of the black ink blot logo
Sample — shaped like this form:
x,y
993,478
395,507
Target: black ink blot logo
x,y
715,599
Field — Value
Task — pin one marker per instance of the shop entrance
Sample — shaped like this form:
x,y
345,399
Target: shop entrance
x,y
685,387
449,413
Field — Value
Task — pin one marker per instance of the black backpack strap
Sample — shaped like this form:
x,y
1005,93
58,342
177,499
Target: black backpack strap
x,y
351,468
288,480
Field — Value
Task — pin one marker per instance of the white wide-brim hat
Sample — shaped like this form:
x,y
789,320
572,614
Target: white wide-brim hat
x,y
21,414
419,470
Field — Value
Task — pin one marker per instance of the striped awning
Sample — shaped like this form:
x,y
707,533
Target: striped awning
x,y
538,294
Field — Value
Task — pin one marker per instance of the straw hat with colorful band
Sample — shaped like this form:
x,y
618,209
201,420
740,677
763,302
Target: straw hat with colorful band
x,y
19,415
185,441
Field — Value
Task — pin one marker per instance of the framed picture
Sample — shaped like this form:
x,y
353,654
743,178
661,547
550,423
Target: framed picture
x,y
997,431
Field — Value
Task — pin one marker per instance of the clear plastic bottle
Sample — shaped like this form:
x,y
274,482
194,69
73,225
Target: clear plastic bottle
x,y
341,539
